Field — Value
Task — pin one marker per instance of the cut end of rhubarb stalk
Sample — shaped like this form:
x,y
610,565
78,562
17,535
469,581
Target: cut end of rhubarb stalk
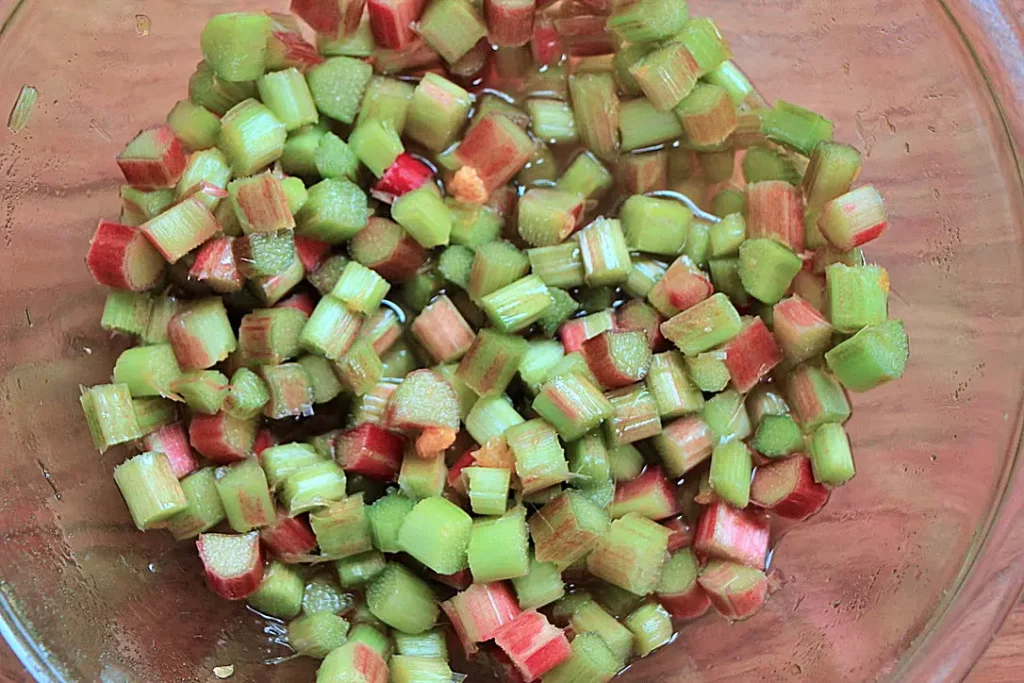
x,y
533,644
788,488
726,533
737,592
233,563
153,159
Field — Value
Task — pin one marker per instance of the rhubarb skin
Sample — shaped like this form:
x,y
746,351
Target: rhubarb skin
x,y
207,434
172,441
496,148
690,604
683,285
788,488
751,355
300,302
652,485
215,265
726,533
455,479
482,610
775,210
311,252
155,173
737,592
391,21
509,23
120,256
238,584
370,450
287,48
533,644
264,440
801,330
546,45
333,17
682,534
289,539
405,174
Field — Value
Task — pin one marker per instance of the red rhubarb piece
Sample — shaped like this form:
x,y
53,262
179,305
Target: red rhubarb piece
x,y
286,46
153,159
509,22
496,149
727,533
289,539
802,331
391,21
332,17
460,580
689,604
546,44
683,285
482,610
264,440
751,355
300,302
651,495
775,210
787,488
455,480
405,174
311,252
533,644
682,533
215,266
737,592
233,563
120,256
222,438
172,440
370,450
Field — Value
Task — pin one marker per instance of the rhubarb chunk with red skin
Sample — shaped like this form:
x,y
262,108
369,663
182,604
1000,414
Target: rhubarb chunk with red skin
x,y
333,17
121,256
727,533
260,204
222,438
775,211
370,450
703,326
575,332
405,174
682,533
651,495
172,440
425,401
751,355
201,334
618,358
737,592
679,592
181,228
816,398
353,662
391,21
153,159
533,644
788,488
545,43
683,286
802,332
854,218
496,149
289,539
509,22
481,610
287,48
567,528
442,331
215,266
233,563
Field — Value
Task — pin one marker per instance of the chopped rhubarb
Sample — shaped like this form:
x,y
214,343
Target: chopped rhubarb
x,y
737,592
788,488
727,533
332,17
120,256
233,563
682,533
684,285
221,437
406,174
802,331
651,495
153,159
172,440
751,355
533,644
289,539
509,22
215,265
391,21
481,610
370,450
775,211
496,149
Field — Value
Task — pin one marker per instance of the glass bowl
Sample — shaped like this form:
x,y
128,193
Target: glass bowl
x,y
904,576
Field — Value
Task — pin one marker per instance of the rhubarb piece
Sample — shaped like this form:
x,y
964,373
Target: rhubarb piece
x,y
204,509
490,417
540,460
727,416
201,334
269,336
552,121
816,398
411,668
371,451
264,254
353,662
418,55
625,463
455,263
631,555
424,216
802,332
510,22
499,547
585,176
286,47
591,660
875,355
337,87
317,635
832,170
559,265
148,370
360,289
642,125
371,405
698,244
563,307
335,211
153,159
589,461
638,316
725,533
452,28
127,312
235,45
518,305
737,592
707,114
402,600
703,326
479,611
788,488
281,461
761,164
437,112
644,273
728,235
279,593
487,489
376,144
221,437
767,268
857,296
153,413
649,20
261,205
289,539
731,468
386,517
382,330
563,610
541,586
854,218
652,626
729,76
233,563
142,205
673,390
437,533
271,289
430,644
204,391
678,590
572,404
287,96
705,43
658,226
826,255
215,265
597,112
150,489
405,174
342,527
251,137
590,617
667,76
604,252
636,415
533,644
245,495
172,440
218,95
442,331
313,486
492,152
115,255
618,358
764,400
831,459
774,211
751,355
322,380
426,401
548,216
290,392
796,127
575,333
300,148
331,330
778,436
495,265
422,477
650,495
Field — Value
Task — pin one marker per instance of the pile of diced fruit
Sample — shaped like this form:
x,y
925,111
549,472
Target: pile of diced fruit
x,y
509,320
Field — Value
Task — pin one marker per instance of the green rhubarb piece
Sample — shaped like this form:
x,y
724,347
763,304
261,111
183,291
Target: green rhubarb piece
x,y
547,216
204,510
761,163
280,592
796,127
666,75
322,594
356,571
317,635
150,489
235,45
518,305
552,121
251,137
701,327
421,478
245,494
196,126
334,212
731,468
147,370
424,216
312,487
110,415
495,265
287,95
499,547
670,384
473,225
727,417
857,296
218,95
648,20
727,235
589,461
541,586
432,643
386,100
605,253
204,391
729,76
488,489
641,124
652,626
452,28
767,268
279,462
540,460
591,661
402,600
875,355
708,371
635,415
377,144
541,355
778,436
730,200
625,463
644,273
572,404
360,289
563,307
337,87
559,265
658,226
335,159
387,515
632,554
596,105
490,417
585,176
590,617
705,44
831,460
410,669
437,112
567,528
342,527
698,243
725,277
300,150
436,532
322,380
128,313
